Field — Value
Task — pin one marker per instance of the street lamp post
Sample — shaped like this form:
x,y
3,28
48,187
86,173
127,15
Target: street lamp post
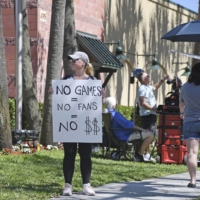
x,y
18,65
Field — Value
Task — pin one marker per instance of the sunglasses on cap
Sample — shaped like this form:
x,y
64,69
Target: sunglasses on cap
x,y
74,60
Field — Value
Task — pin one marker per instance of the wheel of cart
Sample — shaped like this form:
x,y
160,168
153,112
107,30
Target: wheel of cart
x,y
158,158
32,143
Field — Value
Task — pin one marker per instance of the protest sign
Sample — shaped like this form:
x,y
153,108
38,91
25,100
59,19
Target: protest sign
x,y
77,111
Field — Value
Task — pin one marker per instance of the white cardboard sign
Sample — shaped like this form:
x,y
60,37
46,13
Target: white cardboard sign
x,y
77,111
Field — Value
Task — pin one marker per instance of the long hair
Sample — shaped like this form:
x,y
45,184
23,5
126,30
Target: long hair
x,y
89,69
194,77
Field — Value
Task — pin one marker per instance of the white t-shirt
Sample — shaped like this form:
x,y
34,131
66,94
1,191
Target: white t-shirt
x,y
147,92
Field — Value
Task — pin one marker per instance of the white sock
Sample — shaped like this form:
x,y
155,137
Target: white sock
x,y
86,184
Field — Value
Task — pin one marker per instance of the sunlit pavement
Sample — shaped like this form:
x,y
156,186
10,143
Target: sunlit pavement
x,y
170,188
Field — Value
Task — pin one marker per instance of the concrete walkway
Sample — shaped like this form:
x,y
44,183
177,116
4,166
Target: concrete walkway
x,y
171,187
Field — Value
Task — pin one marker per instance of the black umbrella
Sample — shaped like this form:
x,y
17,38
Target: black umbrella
x,y
188,32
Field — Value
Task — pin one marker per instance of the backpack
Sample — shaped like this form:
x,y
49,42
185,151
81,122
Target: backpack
x,y
172,99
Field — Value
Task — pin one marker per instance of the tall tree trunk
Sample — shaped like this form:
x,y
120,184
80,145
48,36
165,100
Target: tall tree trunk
x,y
53,65
30,101
5,131
197,44
70,45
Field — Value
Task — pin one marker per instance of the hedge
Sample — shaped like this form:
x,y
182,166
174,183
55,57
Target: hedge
x,y
12,104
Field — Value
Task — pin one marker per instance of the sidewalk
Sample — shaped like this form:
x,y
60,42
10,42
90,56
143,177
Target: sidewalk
x,y
171,187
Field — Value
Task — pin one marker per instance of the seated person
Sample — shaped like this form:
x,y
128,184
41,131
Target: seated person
x,y
119,122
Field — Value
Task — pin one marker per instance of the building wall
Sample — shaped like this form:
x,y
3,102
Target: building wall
x,y
36,38
9,43
139,25
89,18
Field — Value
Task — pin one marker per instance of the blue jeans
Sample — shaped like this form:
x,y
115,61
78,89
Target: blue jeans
x,y
191,130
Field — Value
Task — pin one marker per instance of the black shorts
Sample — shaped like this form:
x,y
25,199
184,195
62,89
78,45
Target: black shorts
x,y
149,122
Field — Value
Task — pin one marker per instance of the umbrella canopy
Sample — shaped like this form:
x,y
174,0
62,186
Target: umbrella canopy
x,y
187,32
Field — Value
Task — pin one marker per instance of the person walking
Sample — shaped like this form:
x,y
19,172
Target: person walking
x,y
83,70
147,104
189,105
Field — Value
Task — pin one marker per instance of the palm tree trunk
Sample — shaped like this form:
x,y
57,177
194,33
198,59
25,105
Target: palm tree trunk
x,y
30,102
70,45
53,65
5,131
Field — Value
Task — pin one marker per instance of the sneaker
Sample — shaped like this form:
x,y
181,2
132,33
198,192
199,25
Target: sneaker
x,y
147,158
88,190
138,158
191,185
67,191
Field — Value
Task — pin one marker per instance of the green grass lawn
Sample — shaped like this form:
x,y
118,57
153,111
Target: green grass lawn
x,y
39,175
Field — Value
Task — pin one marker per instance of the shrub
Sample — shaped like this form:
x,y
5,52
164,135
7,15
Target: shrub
x,y
12,104
128,112
12,112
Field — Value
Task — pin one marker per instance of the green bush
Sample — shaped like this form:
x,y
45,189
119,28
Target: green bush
x,y
128,112
41,106
12,103
12,112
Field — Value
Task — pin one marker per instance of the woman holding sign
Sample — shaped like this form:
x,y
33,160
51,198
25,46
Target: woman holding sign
x,y
82,71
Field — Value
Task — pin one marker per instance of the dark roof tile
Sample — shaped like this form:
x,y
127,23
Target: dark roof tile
x,y
98,50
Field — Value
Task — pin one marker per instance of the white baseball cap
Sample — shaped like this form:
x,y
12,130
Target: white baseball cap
x,y
79,55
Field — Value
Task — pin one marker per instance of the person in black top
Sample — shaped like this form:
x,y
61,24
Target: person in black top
x,y
83,70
